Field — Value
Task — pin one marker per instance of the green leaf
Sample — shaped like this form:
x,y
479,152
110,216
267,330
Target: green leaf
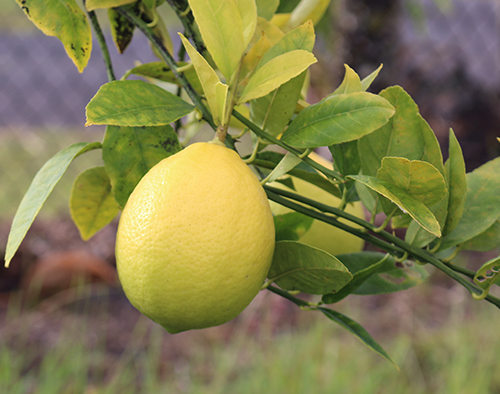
x,y
486,276
270,160
248,14
208,79
357,280
273,111
91,203
130,152
337,119
286,164
267,8
367,81
486,241
416,209
419,237
406,134
350,84
65,20
457,184
291,226
391,276
135,103
95,4
221,28
161,72
275,73
419,179
354,328
346,161
122,30
301,267
370,199
40,188
482,208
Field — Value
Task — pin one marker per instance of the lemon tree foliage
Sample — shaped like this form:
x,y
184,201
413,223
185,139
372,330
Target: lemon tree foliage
x,y
197,238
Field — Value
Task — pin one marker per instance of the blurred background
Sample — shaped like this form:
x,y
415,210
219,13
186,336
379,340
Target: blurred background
x,y
445,53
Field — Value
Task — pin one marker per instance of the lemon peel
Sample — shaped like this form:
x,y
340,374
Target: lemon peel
x,y
196,239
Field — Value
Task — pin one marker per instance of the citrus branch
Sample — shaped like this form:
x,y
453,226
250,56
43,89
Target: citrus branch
x,y
391,241
102,44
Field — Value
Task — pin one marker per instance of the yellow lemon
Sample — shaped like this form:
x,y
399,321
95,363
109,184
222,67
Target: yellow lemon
x,y
320,234
196,239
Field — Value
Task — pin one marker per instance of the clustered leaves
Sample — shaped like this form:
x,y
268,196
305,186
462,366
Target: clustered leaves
x,y
248,68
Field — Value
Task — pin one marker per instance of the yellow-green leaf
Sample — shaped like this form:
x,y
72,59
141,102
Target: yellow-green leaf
x,y
248,14
92,204
221,90
221,28
419,179
207,76
95,4
44,182
351,82
416,209
267,8
65,20
305,10
276,72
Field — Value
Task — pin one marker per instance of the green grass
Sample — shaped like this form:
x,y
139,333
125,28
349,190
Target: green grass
x,y
315,356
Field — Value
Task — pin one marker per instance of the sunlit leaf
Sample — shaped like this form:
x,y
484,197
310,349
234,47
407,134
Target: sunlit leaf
x,y
65,20
130,152
41,186
91,203
338,118
273,111
302,37
135,103
303,268
248,14
208,79
221,28
275,73
267,8
307,10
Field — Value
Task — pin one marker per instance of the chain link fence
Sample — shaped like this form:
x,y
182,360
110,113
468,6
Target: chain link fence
x,y
447,58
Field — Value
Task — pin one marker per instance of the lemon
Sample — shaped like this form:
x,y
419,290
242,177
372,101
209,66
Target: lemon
x,y
196,239
320,234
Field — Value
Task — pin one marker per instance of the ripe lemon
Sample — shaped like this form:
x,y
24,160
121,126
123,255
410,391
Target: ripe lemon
x,y
196,239
320,234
